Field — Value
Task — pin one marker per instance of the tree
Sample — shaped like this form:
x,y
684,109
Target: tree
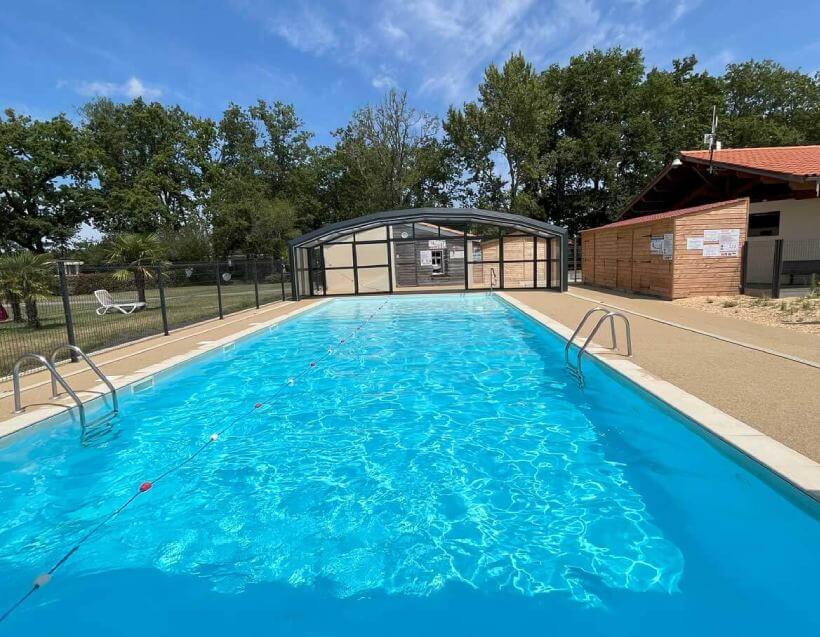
x,y
140,254
388,156
512,117
260,180
44,176
150,162
26,277
768,105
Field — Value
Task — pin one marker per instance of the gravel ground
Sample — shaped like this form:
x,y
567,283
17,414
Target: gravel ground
x,y
799,314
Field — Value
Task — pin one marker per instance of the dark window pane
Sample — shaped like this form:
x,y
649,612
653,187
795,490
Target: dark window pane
x,y
764,224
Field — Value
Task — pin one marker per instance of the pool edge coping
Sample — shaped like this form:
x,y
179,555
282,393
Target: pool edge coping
x,y
790,465
43,413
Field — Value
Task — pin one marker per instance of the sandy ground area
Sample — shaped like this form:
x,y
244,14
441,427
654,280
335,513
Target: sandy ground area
x,y
798,314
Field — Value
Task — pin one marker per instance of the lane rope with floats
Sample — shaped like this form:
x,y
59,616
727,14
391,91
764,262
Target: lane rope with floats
x,y
44,578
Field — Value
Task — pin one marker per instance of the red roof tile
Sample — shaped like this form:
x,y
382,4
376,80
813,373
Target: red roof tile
x,y
666,215
801,161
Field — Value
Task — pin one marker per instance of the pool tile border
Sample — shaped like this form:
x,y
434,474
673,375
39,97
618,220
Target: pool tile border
x,y
794,467
42,413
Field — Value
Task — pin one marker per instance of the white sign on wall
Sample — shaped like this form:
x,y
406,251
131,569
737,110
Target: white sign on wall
x,y
456,254
729,242
694,243
425,257
711,236
711,250
668,246
655,245
437,244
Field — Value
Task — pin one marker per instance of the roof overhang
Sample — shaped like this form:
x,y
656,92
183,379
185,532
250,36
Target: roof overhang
x,y
440,215
689,181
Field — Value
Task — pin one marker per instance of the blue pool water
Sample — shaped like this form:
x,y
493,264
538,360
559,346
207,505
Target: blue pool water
x,y
438,474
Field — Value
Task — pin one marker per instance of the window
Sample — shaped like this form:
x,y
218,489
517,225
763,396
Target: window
x,y
438,261
764,224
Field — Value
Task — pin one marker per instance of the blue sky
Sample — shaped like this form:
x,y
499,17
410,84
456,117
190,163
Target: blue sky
x,y
328,58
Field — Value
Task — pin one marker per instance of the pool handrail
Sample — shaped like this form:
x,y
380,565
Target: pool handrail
x,y
576,370
581,324
94,368
55,375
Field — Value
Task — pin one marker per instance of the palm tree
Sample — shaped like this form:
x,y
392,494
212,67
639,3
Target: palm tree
x,y
26,277
140,254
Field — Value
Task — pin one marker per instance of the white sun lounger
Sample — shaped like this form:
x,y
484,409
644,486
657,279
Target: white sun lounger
x,y
108,304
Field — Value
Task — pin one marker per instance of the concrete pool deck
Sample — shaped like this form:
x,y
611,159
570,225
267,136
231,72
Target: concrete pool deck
x,y
743,392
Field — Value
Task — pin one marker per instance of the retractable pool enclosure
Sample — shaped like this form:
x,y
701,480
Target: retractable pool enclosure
x,y
429,249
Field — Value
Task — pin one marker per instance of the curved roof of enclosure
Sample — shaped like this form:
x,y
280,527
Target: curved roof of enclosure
x,y
444,215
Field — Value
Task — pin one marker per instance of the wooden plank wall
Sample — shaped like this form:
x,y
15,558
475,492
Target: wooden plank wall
x,y
620,257
696,275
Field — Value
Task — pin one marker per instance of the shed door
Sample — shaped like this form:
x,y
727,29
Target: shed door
x,y
624,260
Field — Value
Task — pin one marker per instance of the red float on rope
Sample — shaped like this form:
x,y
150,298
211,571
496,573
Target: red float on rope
x,y
341,340
145,486
313,363
257,405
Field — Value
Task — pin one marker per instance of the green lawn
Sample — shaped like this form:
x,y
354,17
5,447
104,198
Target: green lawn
x,y
185,305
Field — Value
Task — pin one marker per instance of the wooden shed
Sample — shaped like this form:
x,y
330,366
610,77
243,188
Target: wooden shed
x,y
688,252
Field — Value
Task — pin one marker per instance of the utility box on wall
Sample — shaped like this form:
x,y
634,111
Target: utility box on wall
x,y
688,252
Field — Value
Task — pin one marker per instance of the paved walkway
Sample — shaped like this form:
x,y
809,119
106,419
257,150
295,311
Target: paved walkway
x,y
775,395
129,358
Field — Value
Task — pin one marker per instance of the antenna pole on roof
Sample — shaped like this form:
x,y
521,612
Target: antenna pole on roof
x,y
713,137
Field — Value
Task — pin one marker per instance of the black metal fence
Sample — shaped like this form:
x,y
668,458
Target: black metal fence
x,y
781,267
96,307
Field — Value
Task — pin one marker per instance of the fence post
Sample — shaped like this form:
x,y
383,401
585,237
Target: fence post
x,y
282,278
219,290
744,265
69,319
255,282
575,259
777,268
162,305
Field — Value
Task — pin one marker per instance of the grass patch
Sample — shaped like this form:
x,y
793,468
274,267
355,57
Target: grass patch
x,y
185,306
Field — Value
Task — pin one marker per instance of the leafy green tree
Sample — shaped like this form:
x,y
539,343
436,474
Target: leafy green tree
x,y
513,113
140,254
150,163
768,105
44,176
260,179
388,156
191,243
26,277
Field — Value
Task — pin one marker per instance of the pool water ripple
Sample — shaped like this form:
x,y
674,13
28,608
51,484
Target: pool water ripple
x,y
444,445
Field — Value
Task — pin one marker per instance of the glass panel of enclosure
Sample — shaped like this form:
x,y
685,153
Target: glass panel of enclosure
x,y
429,255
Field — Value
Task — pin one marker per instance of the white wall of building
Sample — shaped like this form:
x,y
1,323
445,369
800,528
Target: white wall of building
x,y
799,218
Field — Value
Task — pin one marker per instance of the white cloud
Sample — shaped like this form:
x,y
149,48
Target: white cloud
x,y
132,88
441,47
308,32
383,81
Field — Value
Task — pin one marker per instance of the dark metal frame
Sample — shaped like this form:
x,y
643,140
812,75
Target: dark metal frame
x,y
330,234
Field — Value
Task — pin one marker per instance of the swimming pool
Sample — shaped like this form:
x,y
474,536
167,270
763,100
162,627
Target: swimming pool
x,y
438,471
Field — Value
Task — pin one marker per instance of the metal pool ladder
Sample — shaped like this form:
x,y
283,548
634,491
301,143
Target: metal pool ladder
x,y
575,370
90,430
493,278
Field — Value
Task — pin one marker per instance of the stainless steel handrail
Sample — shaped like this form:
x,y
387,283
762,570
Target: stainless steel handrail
x,y
93,367
576,370
18,403
578,329
493,277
